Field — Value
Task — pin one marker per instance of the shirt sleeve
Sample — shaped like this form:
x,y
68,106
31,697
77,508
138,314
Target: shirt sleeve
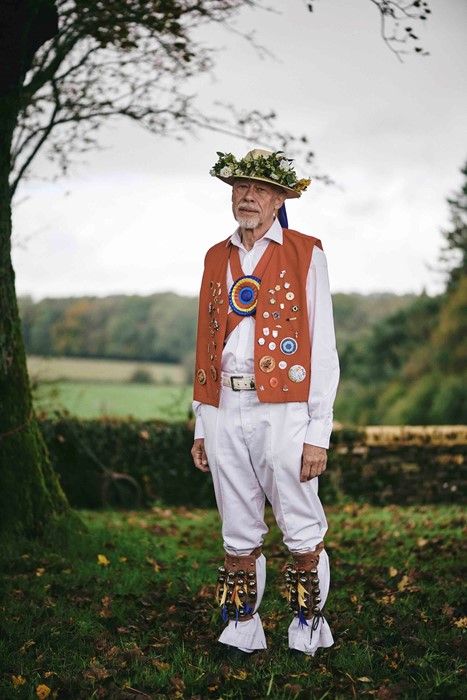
x,y
325,369
199,428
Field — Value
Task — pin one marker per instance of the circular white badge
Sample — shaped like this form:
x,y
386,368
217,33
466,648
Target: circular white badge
x,y
297,373
261,341
272,346
282,364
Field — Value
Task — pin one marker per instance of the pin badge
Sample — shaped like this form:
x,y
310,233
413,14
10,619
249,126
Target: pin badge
x,y
267,363
261,341
273,382
289,296
213,372
289,346
265,314
201,376
265,331
297,373
286,285
272,346
282,364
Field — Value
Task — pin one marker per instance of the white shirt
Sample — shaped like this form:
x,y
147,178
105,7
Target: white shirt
x,y
238,352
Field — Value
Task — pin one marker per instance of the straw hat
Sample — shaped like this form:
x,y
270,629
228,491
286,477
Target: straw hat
x,y
272,167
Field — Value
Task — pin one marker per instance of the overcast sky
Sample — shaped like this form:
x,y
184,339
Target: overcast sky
x,y
139,216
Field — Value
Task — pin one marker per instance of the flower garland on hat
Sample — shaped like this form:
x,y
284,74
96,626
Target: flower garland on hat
x,y
269,166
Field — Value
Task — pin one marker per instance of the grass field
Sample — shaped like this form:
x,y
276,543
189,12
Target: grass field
x,y
141,623
91,388
93,399
46,369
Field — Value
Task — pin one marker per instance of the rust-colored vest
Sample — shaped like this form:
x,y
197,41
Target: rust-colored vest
x,y
282,350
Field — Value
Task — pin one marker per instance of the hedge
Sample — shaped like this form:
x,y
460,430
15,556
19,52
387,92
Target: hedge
x,y
135,463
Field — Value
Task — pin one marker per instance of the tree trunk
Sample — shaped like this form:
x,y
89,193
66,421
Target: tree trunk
x,y
31,497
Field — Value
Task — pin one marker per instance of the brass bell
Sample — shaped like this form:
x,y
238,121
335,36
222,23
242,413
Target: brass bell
x,y
302,572
317,600
316,608
241,572
221,569
303,579
241,593
240,581
314,572
251,574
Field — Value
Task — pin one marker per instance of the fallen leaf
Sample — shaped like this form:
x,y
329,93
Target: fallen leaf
x,y
42,691
403,583
422,542
364,679
40,571
461,623
161,665
240,675
102,560
18,680
392,571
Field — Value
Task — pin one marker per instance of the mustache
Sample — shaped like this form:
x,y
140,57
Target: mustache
x,y
248,209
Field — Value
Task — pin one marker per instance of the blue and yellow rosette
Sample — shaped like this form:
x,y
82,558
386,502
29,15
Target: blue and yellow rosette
x,y
243,295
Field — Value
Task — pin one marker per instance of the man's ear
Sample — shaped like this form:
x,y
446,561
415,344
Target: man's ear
x,y
280,199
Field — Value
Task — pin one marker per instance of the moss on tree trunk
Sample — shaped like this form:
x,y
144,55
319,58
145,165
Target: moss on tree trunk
x,y
31,498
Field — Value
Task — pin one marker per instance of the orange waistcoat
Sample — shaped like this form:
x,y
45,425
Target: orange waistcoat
x,y
282,352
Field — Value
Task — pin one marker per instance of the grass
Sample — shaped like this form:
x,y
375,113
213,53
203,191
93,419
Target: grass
x,y
94,399
143,625
89,369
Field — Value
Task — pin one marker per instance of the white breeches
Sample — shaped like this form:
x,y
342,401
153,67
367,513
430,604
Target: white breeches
x,y
254,452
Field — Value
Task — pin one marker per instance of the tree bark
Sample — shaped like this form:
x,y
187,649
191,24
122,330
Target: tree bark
x,y
31,498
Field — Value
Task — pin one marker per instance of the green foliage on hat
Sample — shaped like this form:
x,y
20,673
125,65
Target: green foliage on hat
x,y
273,167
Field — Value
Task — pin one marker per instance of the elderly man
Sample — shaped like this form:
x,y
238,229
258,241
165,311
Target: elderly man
x,y
266,377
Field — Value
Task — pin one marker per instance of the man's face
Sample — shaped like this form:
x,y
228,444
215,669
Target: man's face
x,y
255,203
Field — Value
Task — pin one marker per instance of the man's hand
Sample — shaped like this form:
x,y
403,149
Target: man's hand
x,y
313,461
199,455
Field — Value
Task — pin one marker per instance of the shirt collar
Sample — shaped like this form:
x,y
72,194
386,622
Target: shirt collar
x,y
274,233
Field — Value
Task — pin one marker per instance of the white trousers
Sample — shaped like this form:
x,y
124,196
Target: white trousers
x,y
254,451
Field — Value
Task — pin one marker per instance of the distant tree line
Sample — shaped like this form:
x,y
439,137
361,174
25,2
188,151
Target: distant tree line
x,y
159,327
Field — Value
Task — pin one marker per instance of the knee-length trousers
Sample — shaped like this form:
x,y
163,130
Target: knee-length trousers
x,y
254,451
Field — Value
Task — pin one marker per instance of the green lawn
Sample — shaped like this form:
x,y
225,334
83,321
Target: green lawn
x,y
143,625
90,399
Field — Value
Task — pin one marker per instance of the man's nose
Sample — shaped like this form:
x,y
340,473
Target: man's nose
x,y
249,194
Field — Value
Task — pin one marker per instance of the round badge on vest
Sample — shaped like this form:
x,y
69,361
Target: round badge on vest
x,y
289,346
243,295
267,363
201,376
297,373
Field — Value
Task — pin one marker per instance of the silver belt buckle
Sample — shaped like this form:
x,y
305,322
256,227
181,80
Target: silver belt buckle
x,y
232,383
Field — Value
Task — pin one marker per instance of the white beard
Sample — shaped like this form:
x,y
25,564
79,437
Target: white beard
x,y
251,221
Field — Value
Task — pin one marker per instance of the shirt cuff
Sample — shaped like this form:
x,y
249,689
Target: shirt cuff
x,y
319,432
199,428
